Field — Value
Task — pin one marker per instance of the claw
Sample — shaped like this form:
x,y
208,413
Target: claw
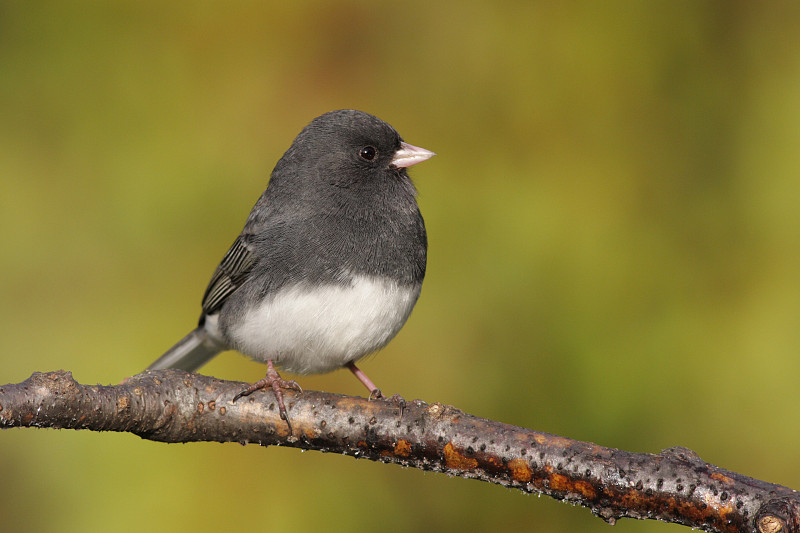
x,y
374,392
274,381
399,401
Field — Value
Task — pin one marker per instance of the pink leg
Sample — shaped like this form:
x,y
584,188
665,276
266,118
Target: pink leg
x,y
374,392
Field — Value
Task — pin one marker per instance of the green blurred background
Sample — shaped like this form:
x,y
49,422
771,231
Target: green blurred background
x,y
613,224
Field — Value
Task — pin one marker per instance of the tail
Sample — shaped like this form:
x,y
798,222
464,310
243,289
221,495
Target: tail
x,y
190,353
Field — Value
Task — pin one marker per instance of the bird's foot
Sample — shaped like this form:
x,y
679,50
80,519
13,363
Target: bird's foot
x,y
274,381
396,399
374,392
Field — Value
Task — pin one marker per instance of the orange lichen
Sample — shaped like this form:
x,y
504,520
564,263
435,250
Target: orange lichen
x,y
564,484
520,470
456,460
721,477
402,448
495,462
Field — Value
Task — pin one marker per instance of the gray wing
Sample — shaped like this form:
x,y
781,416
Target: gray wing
x,y
234,270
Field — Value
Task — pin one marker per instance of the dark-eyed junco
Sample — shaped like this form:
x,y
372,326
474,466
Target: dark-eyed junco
x,y
330,261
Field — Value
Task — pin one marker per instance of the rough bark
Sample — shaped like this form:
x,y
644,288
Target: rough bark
x,y
173,406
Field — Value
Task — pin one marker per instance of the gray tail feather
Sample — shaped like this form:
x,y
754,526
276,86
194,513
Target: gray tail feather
x,y
190,353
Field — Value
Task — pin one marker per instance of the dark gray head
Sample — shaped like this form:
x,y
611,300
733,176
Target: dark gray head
x,y
347,148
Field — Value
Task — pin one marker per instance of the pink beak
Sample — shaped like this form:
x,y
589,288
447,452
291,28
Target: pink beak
x,y
409,155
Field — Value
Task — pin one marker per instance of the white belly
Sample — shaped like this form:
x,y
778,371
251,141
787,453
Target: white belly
x,y
314,331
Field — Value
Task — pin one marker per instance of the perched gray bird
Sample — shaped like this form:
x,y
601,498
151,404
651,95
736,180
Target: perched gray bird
x,y
330,261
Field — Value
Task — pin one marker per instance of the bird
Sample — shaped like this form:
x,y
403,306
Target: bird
x,y
329,264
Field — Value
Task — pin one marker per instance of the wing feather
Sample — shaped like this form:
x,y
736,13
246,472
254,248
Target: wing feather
x,y
234,270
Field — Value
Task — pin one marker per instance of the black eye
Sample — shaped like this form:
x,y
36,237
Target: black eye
x,y
368,153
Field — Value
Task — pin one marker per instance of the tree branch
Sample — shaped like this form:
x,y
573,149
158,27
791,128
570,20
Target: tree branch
x,y
173,406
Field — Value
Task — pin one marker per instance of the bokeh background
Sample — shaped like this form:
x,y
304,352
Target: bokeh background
x,y
613,221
